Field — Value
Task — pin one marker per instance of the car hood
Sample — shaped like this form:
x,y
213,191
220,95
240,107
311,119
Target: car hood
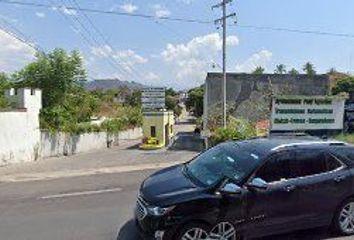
x,y
170,186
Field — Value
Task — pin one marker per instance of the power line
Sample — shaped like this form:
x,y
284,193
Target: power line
x,y
185,20
14,32
98,31
292,30
89,39
32,4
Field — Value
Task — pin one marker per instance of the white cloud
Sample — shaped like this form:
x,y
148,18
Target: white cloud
x,y
186,1
40,14
126,58
13,53
150,76
190,61
68,11
161,11
128,7
261,58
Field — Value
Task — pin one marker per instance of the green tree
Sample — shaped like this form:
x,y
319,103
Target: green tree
x,y
344,85
280,69
293,72
134,98
171,92
4,84
194,101
58,74
309,69
259,71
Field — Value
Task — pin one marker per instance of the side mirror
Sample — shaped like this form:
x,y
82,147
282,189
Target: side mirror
x,y
230,188
257,184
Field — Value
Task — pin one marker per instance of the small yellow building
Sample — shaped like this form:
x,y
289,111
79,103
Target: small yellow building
x,y
157,129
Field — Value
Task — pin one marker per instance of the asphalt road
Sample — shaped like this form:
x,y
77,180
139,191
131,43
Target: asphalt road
x,y
96,207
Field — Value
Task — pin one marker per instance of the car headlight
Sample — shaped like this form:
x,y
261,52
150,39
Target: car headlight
x,y
158,211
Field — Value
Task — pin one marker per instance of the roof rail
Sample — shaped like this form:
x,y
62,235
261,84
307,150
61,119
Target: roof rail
x,y
330,143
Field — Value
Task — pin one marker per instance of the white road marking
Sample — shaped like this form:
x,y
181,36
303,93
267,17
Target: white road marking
x,y
79,194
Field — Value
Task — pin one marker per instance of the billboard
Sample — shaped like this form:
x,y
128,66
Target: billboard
x,y
293,113
153,98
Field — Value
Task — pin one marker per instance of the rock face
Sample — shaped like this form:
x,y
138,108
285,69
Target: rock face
x,y
106,84
248,95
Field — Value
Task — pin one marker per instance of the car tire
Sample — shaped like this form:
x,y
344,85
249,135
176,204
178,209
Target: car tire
x,y
197,231
344,218
224,230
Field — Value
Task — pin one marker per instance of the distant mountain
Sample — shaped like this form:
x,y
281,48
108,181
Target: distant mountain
x,y
106,84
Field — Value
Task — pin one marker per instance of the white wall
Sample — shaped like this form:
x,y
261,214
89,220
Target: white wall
x,y
22,141
19,137
19,129
53,145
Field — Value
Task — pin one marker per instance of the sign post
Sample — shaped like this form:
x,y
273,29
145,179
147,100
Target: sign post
x,y
153,98
301,113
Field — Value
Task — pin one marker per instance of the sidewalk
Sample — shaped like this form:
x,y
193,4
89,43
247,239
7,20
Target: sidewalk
x,y
125,158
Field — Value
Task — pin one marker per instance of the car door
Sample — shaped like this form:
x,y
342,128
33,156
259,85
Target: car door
x,y
322,183
273,209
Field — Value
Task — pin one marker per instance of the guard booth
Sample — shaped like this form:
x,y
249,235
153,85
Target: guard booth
x,y
157,129
157,122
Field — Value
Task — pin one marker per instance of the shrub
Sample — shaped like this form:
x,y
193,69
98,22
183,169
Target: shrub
x,y
237,129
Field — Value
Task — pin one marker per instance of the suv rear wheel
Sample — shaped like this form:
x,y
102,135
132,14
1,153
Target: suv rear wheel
x,y
344,219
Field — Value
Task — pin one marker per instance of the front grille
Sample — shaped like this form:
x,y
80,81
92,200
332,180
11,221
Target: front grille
x,y
140,210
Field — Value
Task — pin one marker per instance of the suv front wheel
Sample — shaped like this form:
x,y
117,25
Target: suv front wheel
x,y
194,231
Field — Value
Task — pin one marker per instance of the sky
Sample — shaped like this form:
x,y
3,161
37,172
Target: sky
x,y
176,54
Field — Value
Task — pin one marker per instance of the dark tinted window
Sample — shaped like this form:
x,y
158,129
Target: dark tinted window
x,y
312,162
277,168
344,152
332,163
309,162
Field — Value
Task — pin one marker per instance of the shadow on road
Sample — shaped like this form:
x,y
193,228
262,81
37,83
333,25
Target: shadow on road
x,y
129,232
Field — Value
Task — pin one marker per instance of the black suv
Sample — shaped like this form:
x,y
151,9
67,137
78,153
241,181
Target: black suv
x,y
251,188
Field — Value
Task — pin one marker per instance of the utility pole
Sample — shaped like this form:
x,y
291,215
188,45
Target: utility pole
x,y
223,22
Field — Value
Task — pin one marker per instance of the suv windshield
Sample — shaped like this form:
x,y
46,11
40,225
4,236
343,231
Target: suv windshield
x,y
225,160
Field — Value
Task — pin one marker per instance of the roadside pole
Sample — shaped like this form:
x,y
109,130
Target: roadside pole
x,y
223,22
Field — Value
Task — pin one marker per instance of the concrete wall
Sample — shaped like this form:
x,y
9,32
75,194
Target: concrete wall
x,y
248,95
60,144
19,129
19,137
22,141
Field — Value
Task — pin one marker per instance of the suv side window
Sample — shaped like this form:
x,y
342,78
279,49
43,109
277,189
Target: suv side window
x,y
277,168
309,162
333,163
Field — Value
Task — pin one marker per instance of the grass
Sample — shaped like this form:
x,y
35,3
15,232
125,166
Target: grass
x,y
349,138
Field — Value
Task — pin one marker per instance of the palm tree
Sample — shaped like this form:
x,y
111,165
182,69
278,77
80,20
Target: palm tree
x,y
293,72
280,69
259,70
309,69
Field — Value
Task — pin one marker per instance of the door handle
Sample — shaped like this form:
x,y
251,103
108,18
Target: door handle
x,y
290,188
339,179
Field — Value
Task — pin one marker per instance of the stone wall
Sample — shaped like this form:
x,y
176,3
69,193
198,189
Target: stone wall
x,y
249,95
